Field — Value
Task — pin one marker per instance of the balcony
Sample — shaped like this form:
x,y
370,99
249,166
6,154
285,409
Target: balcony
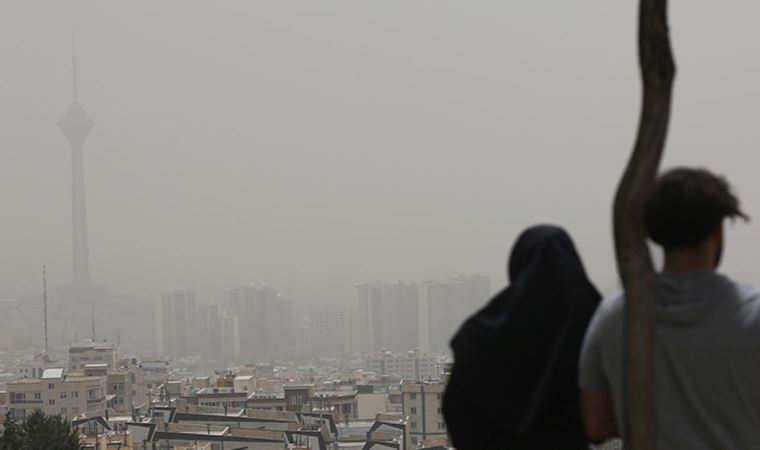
x,y
25,402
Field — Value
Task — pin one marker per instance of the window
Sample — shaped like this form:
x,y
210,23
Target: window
x,y
118,387
51,402
75,394
441,426
414,425
439,411
73,359
38,395
75,410
51,386
18,397
413,396
414,441
413,411
63,395
64,411
439,396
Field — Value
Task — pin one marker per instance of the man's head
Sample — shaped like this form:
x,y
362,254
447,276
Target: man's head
x,y
685,213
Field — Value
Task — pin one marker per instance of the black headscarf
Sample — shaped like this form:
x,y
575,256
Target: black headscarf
x,y
515,377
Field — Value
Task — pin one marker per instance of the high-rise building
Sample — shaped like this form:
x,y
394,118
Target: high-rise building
x,y
176,327
389,317
265,324
327,334
230,337
449,303
208,342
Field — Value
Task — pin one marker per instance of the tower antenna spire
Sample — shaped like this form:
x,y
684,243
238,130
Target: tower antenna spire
x,y
74,66
93,320
44,305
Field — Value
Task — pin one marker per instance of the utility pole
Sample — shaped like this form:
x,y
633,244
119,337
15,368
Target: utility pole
x,y
633,259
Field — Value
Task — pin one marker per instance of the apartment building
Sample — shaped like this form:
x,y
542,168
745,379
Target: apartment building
x,y
328,334
34,366
421,402
389,316
412,365
81,355
57,393
448,303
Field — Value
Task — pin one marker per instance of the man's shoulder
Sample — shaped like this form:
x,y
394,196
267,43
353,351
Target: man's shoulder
x,y
612,305
609,315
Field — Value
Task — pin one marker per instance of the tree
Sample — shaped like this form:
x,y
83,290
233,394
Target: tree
x,y
633,259
11,437
39,432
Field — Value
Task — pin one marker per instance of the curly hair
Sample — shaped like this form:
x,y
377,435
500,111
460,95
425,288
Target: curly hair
x,y
686,205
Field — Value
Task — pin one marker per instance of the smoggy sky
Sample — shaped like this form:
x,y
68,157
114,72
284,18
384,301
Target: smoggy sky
x,y
313,145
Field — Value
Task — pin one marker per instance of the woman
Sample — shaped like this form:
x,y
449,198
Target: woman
x,y
515,379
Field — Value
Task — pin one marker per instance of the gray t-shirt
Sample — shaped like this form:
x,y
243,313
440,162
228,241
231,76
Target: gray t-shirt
x,y
706,361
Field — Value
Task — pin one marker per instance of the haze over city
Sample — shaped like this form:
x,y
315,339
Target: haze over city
x,y
315,146
282,212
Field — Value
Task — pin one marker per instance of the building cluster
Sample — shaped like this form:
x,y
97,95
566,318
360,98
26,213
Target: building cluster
x,y
392,402
253,323
401,316
94,382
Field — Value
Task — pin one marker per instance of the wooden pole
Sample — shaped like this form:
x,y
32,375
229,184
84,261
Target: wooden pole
x,y
633,259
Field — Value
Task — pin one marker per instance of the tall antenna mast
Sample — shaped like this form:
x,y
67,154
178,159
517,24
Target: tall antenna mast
x,y
44,305
74,66
93,319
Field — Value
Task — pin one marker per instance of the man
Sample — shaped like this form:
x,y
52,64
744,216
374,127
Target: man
x,y
707,330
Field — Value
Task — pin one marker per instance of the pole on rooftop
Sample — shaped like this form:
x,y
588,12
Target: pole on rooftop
x,y
633,259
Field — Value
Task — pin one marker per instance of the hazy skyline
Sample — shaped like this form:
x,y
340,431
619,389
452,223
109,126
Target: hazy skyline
x,y
327,143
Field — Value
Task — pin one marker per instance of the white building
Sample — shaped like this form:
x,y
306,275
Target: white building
x,y
412,365
57,393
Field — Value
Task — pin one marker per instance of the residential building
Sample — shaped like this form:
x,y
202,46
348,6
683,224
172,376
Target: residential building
x,y
389,316
422,403
244,383
208,334
412,365
81,355
34,366
224,397
265,323
328,334
175,324
58,393
448,304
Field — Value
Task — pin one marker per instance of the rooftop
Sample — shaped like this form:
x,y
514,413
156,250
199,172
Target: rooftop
x,y
50,374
